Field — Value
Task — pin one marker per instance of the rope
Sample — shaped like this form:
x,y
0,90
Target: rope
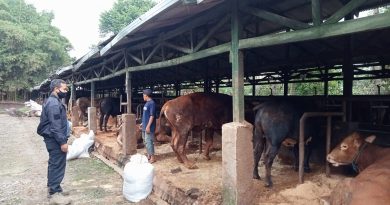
x,y
356,157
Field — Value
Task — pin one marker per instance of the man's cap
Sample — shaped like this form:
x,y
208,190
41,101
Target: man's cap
x,y
147,92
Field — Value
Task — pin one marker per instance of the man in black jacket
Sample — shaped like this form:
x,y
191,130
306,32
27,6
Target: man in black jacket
x,y
53,127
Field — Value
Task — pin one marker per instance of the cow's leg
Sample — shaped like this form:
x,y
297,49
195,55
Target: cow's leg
x,y
272,151
101,122
81,117
306,165
181,149
209,142
306,159
105,121
175,144
258,147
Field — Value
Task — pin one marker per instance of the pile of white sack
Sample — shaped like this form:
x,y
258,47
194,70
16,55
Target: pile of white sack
x,y
35,108
79,147
137,178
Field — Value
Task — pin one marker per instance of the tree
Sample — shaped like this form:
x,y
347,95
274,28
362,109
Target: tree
x,y
122,13
30,47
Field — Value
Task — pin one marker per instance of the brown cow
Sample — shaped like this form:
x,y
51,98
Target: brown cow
x,y
83,103
372,185
196,111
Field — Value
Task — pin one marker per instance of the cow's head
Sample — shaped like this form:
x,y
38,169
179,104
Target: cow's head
x,y
345,152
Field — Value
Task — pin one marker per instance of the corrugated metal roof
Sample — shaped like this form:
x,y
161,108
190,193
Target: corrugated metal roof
x,y
164,14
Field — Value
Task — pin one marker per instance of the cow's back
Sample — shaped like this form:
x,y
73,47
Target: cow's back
x,y
211,108
199,109
277,118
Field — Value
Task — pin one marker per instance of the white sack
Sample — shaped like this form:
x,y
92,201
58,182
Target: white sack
x,y
137,178
79,147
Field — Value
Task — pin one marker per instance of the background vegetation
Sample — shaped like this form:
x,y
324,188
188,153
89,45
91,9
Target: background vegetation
x,y
30,47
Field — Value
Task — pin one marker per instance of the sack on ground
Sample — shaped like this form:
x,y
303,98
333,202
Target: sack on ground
x,y
80,146
137,178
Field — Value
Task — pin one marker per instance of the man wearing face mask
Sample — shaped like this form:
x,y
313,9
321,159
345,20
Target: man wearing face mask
x,y
53,127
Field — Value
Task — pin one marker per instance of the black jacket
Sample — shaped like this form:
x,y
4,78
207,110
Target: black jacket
x,y
53,122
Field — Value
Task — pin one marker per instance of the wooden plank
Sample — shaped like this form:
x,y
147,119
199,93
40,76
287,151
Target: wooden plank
x,y
176,47
177,61
341,13
378,21
187,26
275,18
152,53
103,62
212,32
316,12
237,61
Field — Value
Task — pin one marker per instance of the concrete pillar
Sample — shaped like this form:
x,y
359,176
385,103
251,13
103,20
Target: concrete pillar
x,y
75,116
129,140
92,121
237,163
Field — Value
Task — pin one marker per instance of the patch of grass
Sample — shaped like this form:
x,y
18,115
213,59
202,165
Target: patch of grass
x,y
82,169
96,193
24,109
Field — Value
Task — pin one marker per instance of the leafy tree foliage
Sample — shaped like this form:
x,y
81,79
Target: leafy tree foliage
x,y
30,47
122,13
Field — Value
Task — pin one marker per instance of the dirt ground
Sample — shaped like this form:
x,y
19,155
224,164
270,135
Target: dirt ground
x,y
23,170
92,182
207,178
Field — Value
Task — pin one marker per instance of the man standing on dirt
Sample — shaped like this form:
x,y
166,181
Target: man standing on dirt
x,y
149,124
53,127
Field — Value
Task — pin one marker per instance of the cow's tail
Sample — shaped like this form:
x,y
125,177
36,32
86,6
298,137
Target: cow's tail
x,y
162,128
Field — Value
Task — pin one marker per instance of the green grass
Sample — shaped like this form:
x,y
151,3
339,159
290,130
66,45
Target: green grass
x,y
96,193
84,168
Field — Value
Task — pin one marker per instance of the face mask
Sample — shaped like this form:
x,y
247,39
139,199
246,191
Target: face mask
x,y
61,94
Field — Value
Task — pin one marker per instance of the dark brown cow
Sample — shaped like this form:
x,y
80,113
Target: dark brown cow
x,y
372,185
196,111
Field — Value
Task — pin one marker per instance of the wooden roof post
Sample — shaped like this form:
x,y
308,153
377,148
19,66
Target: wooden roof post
x,y
73,92
237,61
128,91
93,94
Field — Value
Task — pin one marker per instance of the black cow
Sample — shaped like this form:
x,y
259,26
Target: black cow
x,y
274,123
108,106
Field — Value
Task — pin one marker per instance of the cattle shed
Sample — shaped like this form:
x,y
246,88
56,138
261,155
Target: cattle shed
x,y
212,44
187,44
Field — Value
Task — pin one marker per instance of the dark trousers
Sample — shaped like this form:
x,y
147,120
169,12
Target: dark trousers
x,y
56,166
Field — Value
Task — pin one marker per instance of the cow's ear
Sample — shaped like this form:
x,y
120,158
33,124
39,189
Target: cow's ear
x,y
370,139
